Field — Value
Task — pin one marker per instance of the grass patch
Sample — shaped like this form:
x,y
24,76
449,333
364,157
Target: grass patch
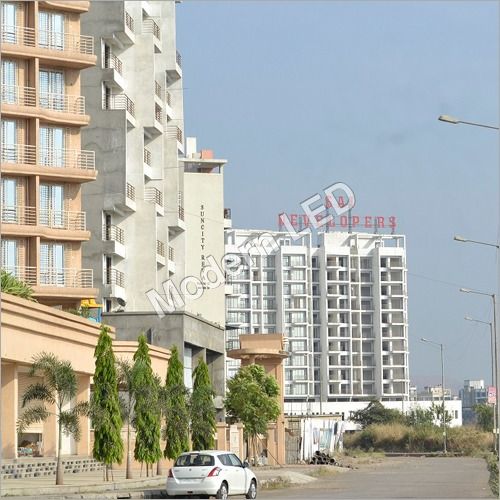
x,y
275,484
400,438
322,471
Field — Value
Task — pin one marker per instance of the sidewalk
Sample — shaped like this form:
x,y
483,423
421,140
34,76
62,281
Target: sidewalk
x,y
87,485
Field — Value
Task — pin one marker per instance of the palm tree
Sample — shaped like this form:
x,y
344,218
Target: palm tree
x,y
58,388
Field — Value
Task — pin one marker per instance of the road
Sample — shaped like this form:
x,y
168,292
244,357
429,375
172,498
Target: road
x,y
398,478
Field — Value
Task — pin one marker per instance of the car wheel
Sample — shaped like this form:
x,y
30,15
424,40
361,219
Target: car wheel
x,y
222,493
252,491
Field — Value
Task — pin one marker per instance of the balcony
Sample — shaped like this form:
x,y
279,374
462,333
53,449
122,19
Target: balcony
x,y
22,220
171,261
148,170
52,47
55,108
174,67
168,105
114,238
113,74
154,195
175,219
114,282
56,282
121,102
126,35
160,253
149,26
56,163
130,197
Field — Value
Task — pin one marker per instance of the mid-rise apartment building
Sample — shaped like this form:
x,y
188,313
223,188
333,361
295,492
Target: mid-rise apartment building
x,y
154,187
472,393
43,163
341,303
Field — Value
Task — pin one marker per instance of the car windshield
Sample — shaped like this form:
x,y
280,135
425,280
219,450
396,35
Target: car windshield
x,y
194,459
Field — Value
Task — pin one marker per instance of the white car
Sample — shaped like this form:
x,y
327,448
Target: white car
x,y
211,473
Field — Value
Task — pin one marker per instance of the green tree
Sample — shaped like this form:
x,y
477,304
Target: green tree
x,y
51,397
175,409
252,399
420,417
146,416
127,403
377,413
484,416
105,405
14,286
203,423
437,411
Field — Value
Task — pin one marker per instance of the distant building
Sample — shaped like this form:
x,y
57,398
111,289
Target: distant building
x,y
434,393
342,305
473,392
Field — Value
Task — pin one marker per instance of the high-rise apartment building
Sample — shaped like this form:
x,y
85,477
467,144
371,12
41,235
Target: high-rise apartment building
x,y
43,163
342,305
157,205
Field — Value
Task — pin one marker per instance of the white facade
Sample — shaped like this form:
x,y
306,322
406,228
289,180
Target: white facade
x,y
342,305
346,409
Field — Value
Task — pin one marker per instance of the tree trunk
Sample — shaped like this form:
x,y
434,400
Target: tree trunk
x,y
106,468
59,469
128,474
159,468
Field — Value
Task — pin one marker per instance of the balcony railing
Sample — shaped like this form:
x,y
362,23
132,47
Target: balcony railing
x,y
149,26
158,90
113,233
113,62
170,253
160,248
158,113
168,97
178,58
227,213
153,195
61,158
53,276
181,212
120,101
52,40
179,134
129,21
55,219
147,157
130,192
114,277
20,96
62,102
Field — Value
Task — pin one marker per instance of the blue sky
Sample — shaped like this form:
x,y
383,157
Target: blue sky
x,y
299,95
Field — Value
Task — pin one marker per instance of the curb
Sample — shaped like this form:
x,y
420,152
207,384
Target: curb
x,y
79,489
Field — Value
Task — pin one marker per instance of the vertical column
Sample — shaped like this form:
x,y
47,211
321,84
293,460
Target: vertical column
x,y
83,395
9,407
49,446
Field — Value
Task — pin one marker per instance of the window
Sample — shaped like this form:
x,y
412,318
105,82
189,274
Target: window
x,y
269,318
297,345
52,264
295,317
52,141
9,81
268,261
9,141
52,205
9,200
294,274
9,14
10,256
256,289
51,89
268,276
296,331
269,303
51,30
235,461
194,459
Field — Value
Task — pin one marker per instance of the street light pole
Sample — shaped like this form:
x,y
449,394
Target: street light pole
x,y
443,411
456,121
493,297
490,323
